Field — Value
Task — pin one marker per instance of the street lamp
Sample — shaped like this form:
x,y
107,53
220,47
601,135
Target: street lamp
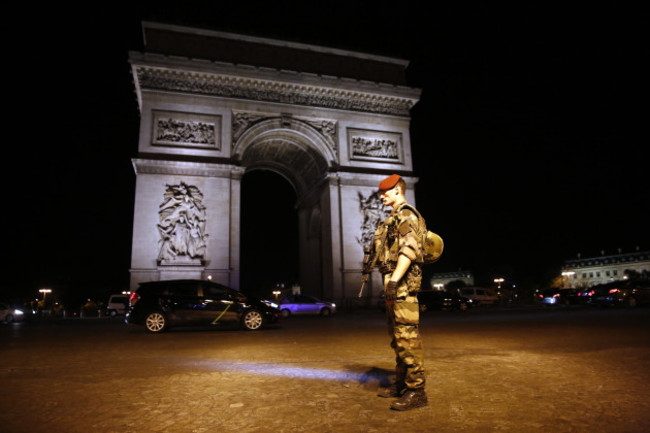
x,y
45,292
276,293
567,276
499,281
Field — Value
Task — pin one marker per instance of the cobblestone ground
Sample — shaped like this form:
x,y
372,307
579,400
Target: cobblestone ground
x,y
487,371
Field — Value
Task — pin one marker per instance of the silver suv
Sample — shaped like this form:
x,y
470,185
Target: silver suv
x,y
117,305
479,295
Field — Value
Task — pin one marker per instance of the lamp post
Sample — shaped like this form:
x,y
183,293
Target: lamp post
x,y
45,292
499,281
566,276
276,293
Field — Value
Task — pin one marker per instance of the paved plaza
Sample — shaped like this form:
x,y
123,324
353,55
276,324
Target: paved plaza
x,y
491,370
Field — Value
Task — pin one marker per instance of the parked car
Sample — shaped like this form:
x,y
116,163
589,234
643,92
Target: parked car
x,y
623,293
442,300
117,305
304,304
479,296
563,297
9,314
159,305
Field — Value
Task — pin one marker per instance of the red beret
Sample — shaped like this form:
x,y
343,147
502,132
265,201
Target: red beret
x,y
389,182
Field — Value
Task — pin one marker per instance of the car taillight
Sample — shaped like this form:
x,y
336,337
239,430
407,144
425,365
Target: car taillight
x,y
614,291
133,299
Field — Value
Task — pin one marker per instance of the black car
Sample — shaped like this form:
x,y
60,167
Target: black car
x,y
442,300
159,305
620,293
563,297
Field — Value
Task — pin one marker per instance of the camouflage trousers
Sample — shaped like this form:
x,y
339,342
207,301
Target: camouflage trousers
x,y
403,314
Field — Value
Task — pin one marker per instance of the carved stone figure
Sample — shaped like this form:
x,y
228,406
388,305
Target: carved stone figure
x,y
375,147
182,224
373,211
178,131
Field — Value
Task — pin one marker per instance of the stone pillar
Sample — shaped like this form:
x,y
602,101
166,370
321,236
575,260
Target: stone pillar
x,y
159,215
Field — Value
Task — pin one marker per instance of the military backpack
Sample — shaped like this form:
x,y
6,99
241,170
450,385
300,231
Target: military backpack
x,y
432,243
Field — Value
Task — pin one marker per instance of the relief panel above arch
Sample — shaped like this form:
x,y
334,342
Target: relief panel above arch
x,y
325,129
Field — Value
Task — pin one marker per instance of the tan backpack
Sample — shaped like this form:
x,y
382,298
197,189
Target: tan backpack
x,y
432,243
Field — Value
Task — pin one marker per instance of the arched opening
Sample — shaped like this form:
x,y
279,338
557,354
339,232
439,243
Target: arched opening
x,y
269,233
288,249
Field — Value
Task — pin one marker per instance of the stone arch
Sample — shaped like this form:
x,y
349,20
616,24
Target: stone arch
x,y
334,136
290,147
302,155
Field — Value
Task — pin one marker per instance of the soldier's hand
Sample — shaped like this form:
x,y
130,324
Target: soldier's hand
x,y
392,285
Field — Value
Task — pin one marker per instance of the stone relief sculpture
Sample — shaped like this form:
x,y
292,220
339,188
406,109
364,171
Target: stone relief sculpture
x,y
186,130
182,224
373,211
176,131
374,147
241,121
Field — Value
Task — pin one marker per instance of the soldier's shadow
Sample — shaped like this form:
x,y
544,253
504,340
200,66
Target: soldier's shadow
x,y
376,377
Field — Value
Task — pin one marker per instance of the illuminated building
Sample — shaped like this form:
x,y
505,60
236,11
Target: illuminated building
x,y
590,271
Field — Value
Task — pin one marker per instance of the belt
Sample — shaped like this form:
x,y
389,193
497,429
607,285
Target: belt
x,y
391,299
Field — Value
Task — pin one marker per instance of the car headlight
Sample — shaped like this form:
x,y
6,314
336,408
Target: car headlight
x,y
18,312
270,304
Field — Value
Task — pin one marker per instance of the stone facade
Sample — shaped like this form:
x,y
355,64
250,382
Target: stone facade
x,y
590,271
206,122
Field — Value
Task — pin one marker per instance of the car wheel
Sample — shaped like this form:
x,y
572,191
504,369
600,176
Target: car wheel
x,y
155,322
252,320
113,313
285,313
9,318
632,302
325,312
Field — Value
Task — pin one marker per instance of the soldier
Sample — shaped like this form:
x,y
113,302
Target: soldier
x,y
398,246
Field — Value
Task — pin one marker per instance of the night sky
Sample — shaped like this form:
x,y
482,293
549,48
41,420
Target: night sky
x,y
528,138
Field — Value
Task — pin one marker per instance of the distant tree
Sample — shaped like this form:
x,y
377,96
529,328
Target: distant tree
x,y
636,276
557,282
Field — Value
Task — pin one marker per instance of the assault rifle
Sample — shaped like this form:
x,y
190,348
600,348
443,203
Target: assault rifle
x,y
370,255
368,265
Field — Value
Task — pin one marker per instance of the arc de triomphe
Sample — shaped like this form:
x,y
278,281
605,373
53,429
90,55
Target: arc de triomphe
x,y
215,105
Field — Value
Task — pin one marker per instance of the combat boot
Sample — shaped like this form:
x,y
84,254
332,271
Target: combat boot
x,y
411,399
393,391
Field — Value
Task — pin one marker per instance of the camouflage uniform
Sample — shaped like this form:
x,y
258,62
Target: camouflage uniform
x,y
401,229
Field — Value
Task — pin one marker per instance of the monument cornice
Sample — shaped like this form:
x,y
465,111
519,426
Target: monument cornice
x,y
174,74
154,166
366,179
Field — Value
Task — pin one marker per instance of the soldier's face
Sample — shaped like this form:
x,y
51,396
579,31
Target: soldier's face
x,y
389,197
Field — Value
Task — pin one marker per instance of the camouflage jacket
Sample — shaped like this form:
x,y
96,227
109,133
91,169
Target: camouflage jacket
x,y
401,231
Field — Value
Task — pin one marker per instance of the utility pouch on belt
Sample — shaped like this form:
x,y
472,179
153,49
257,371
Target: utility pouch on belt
x,y
387,267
